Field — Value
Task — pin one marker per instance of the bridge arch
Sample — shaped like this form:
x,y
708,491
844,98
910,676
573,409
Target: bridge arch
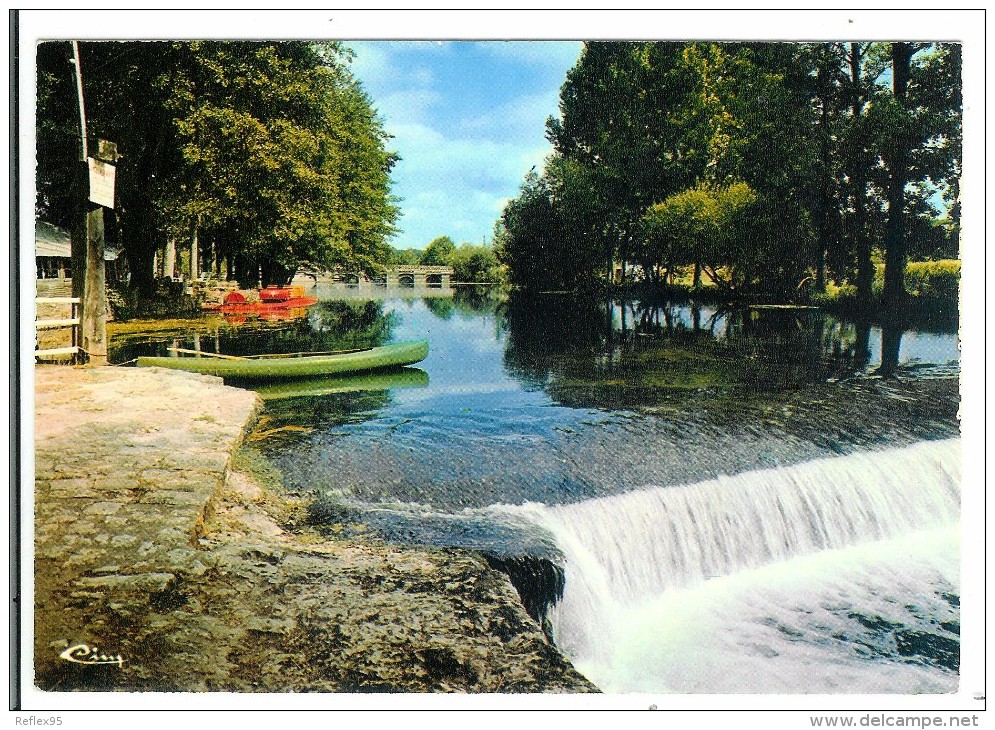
x,y
406,280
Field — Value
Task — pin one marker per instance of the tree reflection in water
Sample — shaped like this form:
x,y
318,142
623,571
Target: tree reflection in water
x,y
595,352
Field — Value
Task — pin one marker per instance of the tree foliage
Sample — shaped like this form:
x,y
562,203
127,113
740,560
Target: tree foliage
x,y
829,159
268,153
438,251
475,264
404,257
703,226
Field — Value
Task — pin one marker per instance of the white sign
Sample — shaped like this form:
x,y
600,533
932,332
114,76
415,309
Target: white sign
x,y
101,183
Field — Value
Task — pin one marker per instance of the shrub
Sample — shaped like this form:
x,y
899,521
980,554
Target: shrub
x,y
934,280
475,264
926,280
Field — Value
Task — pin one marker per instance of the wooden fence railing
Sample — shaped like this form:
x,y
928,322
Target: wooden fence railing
x,y
73,322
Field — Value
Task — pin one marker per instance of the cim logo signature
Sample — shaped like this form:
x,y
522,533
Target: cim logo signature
x,y
86,654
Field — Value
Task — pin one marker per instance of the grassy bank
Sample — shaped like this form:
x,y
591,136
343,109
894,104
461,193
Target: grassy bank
x,y
932,287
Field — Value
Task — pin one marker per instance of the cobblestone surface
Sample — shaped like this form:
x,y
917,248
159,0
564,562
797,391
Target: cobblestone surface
x,y
128,467
150,549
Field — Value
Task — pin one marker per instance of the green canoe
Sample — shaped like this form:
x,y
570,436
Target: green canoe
x,y
297,365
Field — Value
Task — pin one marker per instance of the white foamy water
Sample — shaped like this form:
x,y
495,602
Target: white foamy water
x,y
807,578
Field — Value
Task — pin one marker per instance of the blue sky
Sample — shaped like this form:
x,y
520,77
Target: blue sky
x,y
468,121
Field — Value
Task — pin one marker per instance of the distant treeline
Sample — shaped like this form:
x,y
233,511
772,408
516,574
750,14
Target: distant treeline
x,y
769,169
471,263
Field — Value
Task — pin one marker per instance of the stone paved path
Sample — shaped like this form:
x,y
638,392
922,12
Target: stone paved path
x,y
128,465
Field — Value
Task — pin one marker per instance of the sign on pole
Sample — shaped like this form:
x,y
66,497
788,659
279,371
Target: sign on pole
x,y
101,182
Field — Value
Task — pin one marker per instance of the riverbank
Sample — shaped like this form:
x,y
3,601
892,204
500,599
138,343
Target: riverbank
x,y
162,565
931,302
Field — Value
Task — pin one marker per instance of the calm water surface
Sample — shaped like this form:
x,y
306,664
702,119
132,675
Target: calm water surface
x,y
559,400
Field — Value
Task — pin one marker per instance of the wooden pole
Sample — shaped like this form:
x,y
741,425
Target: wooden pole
x,y
79,92
94,326
94,292
80,180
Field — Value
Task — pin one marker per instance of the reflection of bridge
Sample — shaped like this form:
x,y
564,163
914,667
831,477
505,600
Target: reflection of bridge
x,y
412,277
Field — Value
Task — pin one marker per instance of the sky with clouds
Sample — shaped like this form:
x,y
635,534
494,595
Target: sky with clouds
x,y
468,120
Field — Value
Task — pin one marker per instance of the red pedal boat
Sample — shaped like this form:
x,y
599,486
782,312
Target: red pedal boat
x,y
271,299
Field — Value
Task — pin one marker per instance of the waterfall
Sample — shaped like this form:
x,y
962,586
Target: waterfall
x,y
814,576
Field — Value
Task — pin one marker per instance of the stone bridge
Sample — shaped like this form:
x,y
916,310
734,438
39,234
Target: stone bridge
x,y
413,276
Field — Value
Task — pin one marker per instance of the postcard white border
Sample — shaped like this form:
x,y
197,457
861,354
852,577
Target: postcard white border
x,y
963,26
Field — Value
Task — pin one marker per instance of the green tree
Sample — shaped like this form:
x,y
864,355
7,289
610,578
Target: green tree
x,y
896,151
705,225
864,65
269,154
626,140
918,138
284,157
834,162
643,122
126,90
677,232
438,251
475,264
529,240
404,257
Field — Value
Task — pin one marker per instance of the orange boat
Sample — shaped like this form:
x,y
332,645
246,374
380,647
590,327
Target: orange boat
x,y
272,300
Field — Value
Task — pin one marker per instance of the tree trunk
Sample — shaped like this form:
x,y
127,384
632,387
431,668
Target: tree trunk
x,y
169,259
623,254
217,257
862,344
77,233
858,181
194,253
824,193
891,346
896,251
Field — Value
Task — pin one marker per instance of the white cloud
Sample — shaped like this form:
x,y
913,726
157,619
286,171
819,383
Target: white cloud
x,y
407,107
456,174
371,64
523,117
558,54
455,186
423,76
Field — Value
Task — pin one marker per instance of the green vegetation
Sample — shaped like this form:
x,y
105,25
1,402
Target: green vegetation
x,y
437,252
475,264
404,257
933,291
471,263
700,226
777,170
939,280
263,156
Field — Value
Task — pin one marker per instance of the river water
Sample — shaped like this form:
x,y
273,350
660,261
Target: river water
x,y
752,500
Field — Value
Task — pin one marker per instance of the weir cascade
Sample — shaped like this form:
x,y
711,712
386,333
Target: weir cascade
x,y
833,575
